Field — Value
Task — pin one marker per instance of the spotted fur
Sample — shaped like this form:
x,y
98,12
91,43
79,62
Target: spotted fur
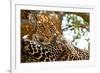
x,y
38,52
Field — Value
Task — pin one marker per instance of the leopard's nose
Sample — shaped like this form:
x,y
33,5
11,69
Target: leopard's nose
x,y
41,40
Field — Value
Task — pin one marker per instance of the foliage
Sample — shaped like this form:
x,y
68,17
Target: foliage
x,y
78,25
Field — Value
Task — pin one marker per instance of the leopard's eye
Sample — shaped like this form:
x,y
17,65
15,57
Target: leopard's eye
x,y
41,28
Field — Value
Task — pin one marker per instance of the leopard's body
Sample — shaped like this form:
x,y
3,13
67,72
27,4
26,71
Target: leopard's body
x,y
38,52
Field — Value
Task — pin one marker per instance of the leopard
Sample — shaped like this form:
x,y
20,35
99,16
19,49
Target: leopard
x,y
45,43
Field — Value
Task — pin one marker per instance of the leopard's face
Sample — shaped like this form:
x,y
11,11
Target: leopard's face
x,y
44,29
44,33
